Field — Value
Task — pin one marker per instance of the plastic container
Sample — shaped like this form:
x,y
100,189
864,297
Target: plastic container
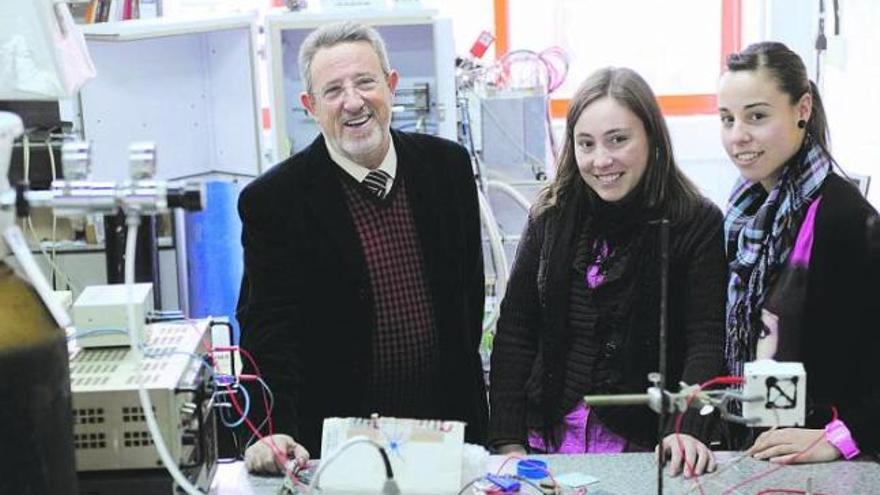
x,y
536,471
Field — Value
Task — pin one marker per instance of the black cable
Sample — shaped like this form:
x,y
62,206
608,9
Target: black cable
x,y
389,473
821,40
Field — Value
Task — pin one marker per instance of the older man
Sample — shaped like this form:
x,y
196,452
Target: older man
x,y
363,286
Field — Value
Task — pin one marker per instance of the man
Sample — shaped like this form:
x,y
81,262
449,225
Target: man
x,y
363,288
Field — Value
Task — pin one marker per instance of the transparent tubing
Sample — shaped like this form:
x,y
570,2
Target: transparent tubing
x,y
499,258
512,192
133,221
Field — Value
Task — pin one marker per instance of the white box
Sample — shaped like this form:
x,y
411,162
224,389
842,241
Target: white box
x,y
782,389
103,307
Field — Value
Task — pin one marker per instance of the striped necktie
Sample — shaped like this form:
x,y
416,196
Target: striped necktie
x,y
375,182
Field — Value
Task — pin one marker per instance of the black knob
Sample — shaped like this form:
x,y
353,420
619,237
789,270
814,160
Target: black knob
x,y
190,197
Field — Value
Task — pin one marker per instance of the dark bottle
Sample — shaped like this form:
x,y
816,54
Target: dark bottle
x,y
36,429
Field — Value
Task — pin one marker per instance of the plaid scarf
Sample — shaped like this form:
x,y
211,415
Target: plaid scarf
x,y
760,230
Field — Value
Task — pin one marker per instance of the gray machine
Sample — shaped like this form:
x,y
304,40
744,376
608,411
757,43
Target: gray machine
x,y
111,438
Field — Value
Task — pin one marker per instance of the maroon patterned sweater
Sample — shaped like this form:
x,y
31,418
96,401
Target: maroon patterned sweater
x,y
404,340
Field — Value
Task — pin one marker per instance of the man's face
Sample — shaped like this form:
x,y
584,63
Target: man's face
x,y
351,100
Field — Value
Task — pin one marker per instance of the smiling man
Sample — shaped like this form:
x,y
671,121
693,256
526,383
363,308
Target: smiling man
x,y
363,285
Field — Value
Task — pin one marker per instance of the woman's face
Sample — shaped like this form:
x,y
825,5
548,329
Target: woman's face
x,y
611,148
759,125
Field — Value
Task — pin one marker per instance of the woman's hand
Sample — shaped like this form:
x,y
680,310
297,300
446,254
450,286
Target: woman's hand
x,y
687,455
794,445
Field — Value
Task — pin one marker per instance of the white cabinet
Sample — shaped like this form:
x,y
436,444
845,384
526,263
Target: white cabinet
x,y
188,86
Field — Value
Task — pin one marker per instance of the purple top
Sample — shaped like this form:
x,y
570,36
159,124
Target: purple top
x,y
595,276
580,433
803,246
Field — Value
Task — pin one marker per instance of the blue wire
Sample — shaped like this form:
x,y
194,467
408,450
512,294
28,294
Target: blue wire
x,y
245,411
268,413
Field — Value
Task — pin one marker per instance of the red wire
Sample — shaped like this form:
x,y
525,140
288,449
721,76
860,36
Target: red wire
x,y
280,457
270,425
723,380
776,468
253,362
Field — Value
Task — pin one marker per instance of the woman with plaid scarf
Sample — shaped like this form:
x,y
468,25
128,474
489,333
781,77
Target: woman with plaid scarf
x,y
801,286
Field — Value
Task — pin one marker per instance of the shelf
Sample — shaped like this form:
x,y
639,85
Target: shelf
x,y
311,20
159,27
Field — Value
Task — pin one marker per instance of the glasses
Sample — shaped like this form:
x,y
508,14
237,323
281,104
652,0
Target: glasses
x,y
336,91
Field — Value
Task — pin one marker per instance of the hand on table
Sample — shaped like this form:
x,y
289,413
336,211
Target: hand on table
x,y
793,445
261,458
686,455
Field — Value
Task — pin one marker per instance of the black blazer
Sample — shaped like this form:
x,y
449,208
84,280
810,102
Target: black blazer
x,y
305,305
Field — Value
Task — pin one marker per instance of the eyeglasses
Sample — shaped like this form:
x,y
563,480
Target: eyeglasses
x,y
335,91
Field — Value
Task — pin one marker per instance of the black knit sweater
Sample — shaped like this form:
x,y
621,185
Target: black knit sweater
x,y
558,341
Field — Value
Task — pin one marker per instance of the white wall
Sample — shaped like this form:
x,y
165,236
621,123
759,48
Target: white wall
x,y
851,73
849,76
696,142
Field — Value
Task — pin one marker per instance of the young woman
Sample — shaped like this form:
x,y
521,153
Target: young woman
x,y
801,286
581,314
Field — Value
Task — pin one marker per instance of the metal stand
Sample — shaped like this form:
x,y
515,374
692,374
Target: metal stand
x,y
661,380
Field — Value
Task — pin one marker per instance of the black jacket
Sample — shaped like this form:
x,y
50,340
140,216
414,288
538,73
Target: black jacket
x,y
535,316
841,341
305,305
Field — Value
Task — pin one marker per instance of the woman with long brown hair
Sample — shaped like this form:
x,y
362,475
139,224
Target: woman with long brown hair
x,y
581,312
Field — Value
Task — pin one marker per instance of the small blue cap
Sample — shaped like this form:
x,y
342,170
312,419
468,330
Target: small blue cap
x,y
533,469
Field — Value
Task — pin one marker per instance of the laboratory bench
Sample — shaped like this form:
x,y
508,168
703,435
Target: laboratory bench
x,y
634,474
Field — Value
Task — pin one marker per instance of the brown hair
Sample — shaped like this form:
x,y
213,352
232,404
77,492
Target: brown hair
x,y
788,70
663,185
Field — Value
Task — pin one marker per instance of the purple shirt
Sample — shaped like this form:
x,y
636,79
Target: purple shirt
x,y
580,433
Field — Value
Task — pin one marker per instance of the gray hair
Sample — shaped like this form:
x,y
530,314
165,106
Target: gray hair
x,y
331,35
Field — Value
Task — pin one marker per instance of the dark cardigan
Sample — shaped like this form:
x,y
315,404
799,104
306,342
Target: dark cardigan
x,y
536,314
841,340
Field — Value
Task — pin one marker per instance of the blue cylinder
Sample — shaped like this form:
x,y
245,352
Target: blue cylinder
x,y
214,254
533,469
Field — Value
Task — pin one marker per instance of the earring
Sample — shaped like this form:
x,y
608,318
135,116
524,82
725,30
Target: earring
x,y
801,124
